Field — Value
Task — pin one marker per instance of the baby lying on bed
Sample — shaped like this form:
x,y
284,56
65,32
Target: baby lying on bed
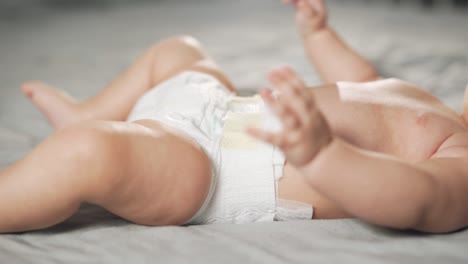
x,y
384,151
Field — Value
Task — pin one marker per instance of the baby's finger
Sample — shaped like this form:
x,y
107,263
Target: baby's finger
x,y
291,100
299,108
306,8
277,108
267,96
299,87
318,5
293,78
279,80
274,139
259,134
283,85
288,120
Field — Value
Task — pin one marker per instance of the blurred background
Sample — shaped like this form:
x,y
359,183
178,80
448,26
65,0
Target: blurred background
x,y
81,45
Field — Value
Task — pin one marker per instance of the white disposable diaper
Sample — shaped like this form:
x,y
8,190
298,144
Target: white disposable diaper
x,y
245,170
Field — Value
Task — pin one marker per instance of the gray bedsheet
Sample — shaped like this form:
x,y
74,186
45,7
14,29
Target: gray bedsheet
x,y
80,47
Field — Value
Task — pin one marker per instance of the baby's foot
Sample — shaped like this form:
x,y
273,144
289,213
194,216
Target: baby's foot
x,y
60,109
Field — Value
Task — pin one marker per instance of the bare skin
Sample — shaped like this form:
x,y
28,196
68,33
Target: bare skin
x,y
124,167
386,152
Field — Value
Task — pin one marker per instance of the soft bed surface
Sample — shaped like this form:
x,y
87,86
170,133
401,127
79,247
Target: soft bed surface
x,y
80,48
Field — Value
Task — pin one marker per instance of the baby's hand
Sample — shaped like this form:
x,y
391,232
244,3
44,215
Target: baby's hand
x,y
311,16
305,130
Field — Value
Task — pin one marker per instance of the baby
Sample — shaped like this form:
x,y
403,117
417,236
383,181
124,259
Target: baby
x,y
384,151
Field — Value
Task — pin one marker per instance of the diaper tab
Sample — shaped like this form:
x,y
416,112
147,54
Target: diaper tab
x,y
235,125
293,210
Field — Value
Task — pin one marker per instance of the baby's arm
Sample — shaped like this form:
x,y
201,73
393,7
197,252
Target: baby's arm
x,y
383,190
333,59
377,188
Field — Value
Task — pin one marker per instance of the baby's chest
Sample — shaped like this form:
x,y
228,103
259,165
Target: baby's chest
x,y
392,117
410,133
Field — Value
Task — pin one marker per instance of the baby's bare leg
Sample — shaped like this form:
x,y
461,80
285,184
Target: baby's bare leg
x,y
125,168
158,63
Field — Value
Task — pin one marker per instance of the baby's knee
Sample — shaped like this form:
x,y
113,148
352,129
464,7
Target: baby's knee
x,y
174,55
87,157
180,41
95,146
88,140
183,46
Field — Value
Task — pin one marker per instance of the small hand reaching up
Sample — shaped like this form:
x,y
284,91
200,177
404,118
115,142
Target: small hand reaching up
x,y
311,16
305,130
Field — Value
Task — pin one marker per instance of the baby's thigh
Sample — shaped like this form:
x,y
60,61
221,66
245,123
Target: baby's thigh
x,y
166,179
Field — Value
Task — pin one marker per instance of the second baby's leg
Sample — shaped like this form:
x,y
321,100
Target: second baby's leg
x,y
127,168
158,63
